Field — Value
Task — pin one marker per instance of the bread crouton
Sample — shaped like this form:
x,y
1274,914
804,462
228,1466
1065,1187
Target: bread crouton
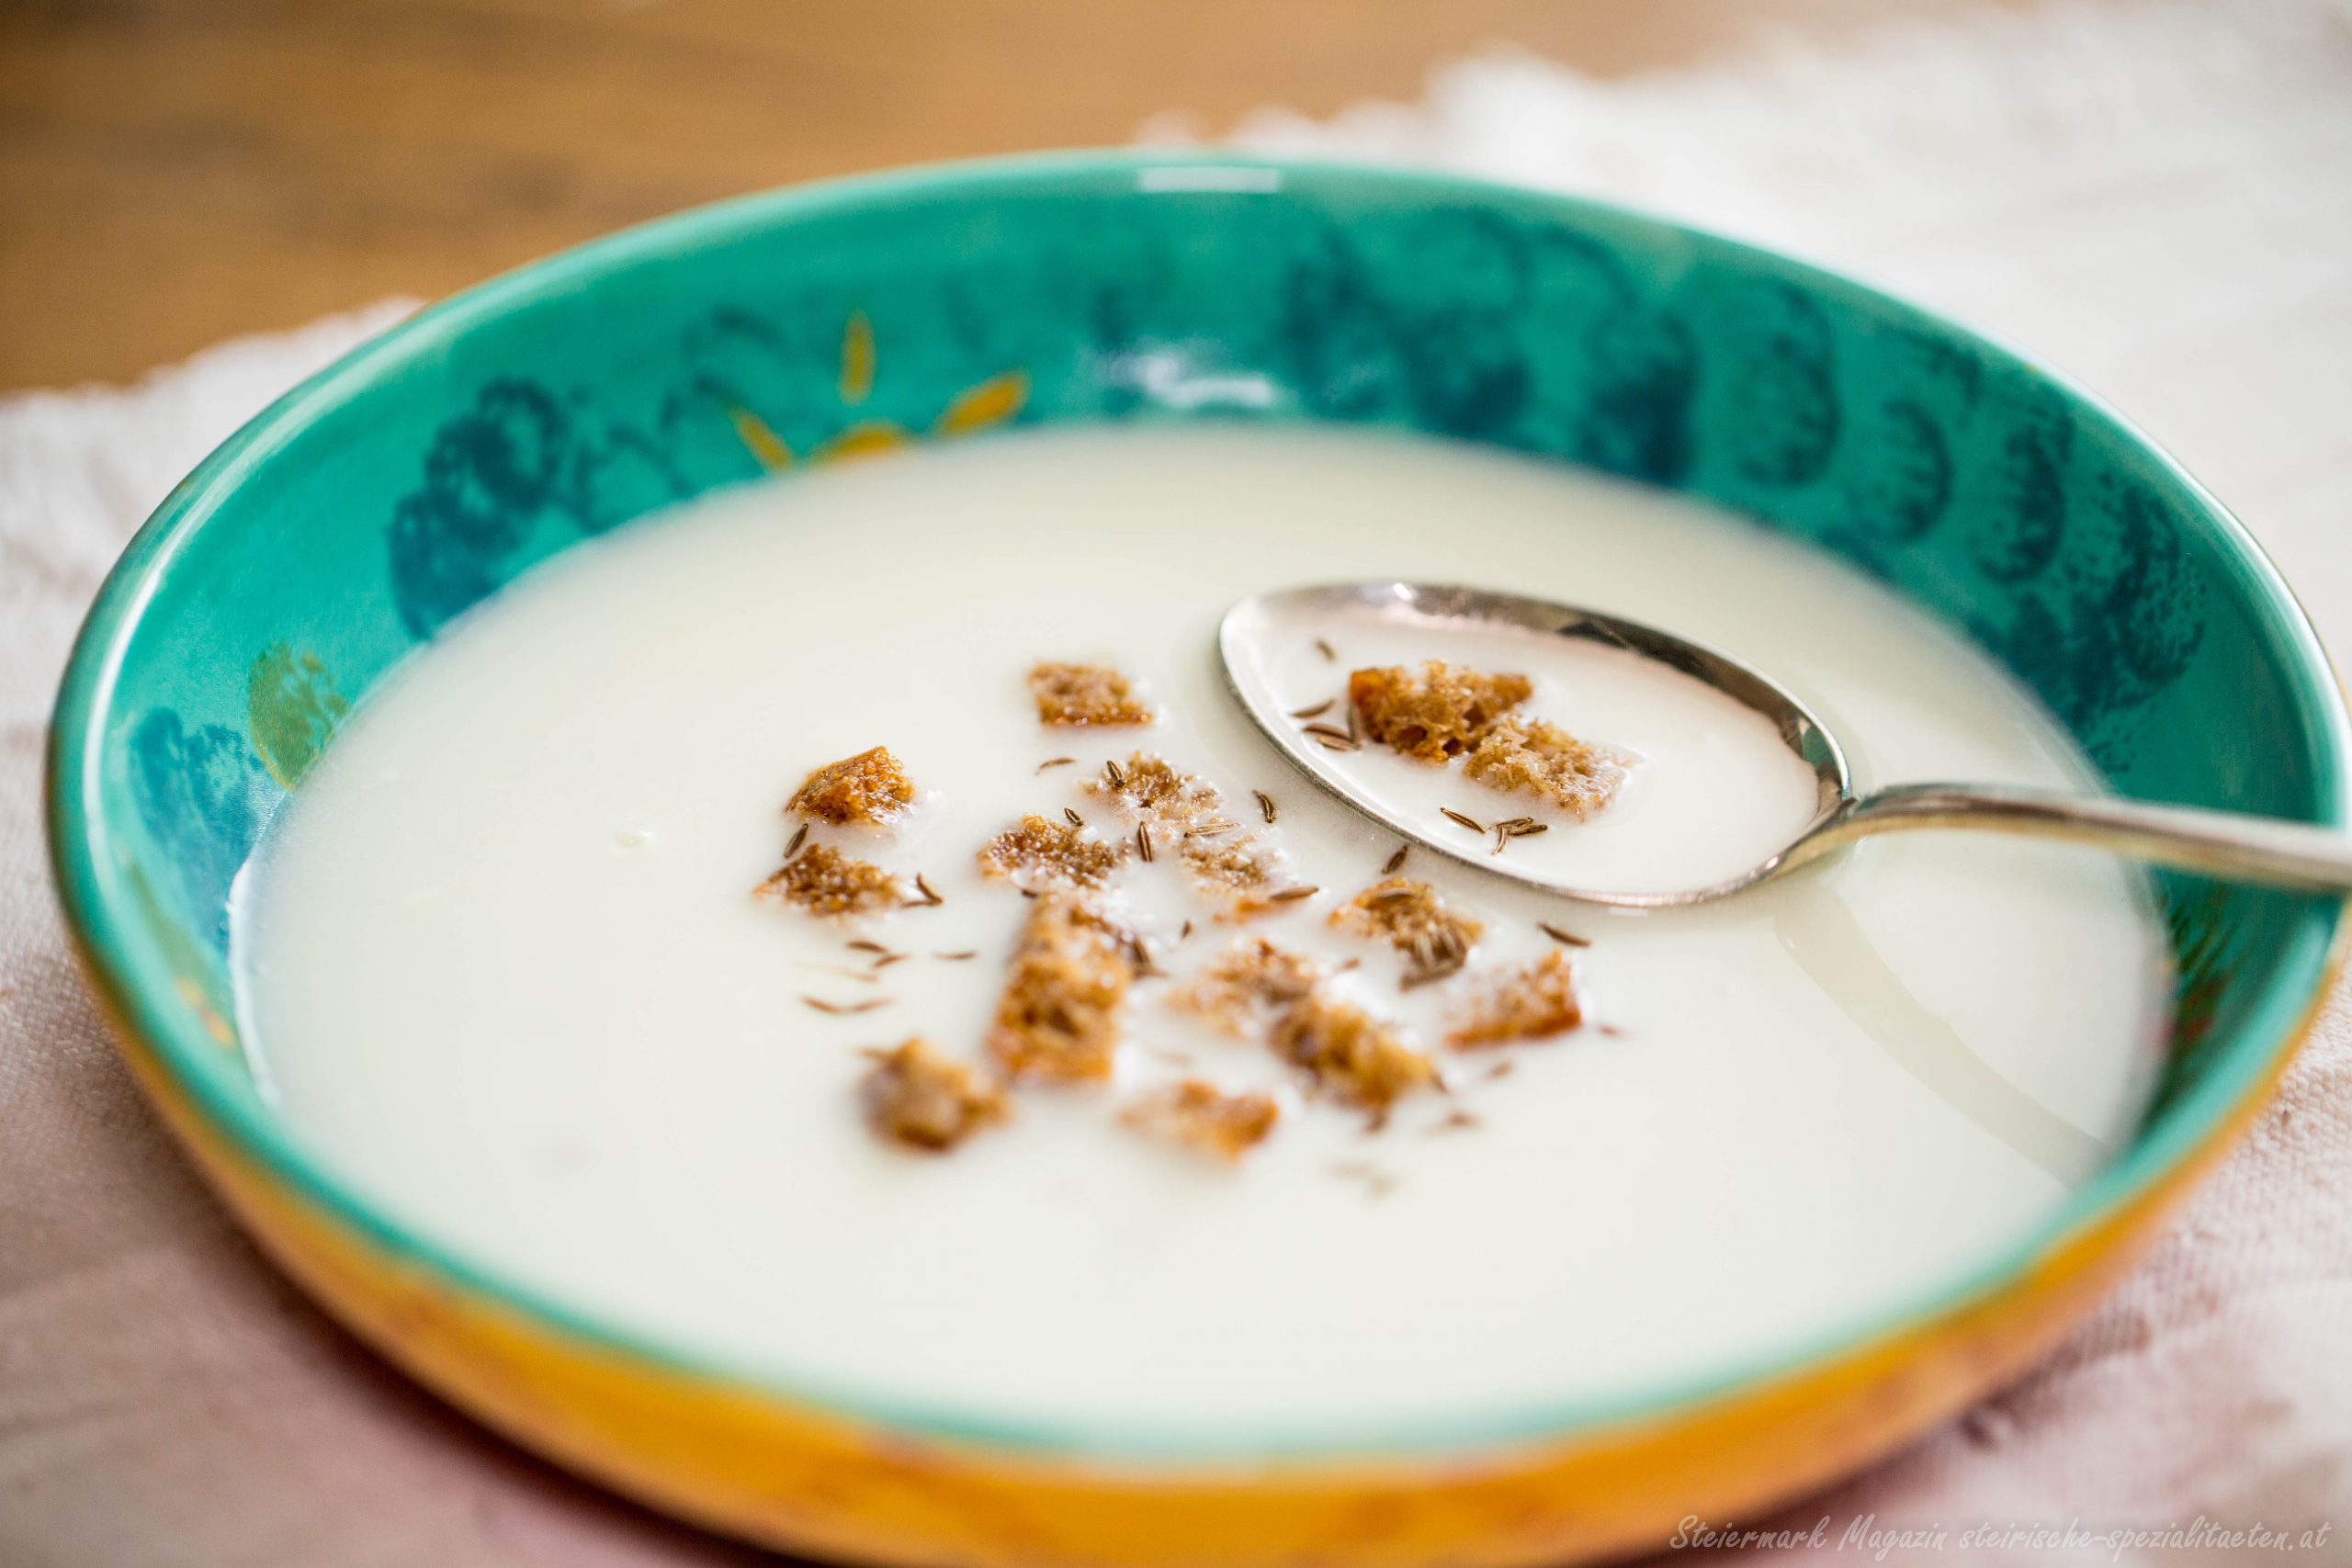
x,y
1152,789
1238,874
1531,1002
1350,1056
1249,982
918,1097
1432,713
1183,812
1086,694
868,789
1198,1114
1534,756
1409,917
1058,1018
823,881
1036,853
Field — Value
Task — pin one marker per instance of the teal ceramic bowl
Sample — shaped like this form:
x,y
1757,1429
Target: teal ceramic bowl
x,y
327,539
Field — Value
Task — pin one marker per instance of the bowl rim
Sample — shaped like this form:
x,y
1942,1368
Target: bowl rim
x,y
142,1001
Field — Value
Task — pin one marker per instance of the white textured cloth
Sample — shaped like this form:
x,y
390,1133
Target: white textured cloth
x,y
2157,196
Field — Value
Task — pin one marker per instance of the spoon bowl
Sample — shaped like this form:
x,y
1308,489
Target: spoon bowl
x,y
2226,844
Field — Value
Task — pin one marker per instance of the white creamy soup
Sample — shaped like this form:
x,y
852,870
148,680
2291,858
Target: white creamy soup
x,y
504,969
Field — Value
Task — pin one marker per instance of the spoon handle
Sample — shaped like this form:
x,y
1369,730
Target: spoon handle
x,y
2222,843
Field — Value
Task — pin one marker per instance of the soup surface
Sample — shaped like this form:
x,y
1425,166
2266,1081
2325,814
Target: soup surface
x,y
503,968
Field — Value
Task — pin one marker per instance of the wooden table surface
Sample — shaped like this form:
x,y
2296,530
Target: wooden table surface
x,y
174,171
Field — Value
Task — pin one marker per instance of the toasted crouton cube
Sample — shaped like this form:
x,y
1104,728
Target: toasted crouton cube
x,y
1432,713
1036,853
1155,790
1540,758
870,788
1198,1114
1238,874
1352,1055
916,1097
1252,979
1411,918
823,881
1058,1018
1181,811
1530,1002
1086,694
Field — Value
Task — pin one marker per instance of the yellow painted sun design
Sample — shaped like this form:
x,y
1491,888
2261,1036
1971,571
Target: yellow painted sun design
x,y
977,407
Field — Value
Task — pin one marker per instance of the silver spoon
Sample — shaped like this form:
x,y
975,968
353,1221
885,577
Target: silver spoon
x,y
2220,843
